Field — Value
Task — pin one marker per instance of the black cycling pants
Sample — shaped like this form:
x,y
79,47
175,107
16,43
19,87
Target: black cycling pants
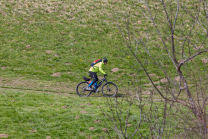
x,y
94,76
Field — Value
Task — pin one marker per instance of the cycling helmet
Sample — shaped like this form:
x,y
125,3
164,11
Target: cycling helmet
x,y
105,60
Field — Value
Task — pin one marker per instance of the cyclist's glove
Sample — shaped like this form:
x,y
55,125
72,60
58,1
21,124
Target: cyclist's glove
x,y
105,75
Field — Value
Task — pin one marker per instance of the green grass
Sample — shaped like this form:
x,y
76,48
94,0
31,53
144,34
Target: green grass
x,y
38,40
41,38
38,114
29,114
52,43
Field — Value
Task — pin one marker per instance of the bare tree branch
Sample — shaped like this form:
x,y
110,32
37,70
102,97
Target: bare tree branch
x,y
184,61
152,20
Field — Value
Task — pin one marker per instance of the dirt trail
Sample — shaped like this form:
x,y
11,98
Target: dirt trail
x,y
37,85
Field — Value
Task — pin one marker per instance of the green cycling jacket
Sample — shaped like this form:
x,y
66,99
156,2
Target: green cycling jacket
x,y
97,67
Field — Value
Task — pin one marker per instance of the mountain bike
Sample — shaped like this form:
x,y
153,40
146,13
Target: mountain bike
x,y
109,89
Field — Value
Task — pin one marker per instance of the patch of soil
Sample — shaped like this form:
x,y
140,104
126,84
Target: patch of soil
x,y
83,112
49,51
97,121
33,131
115,69
3,136
158,82
147,92
105,129
148,84
133,75
55,55
159,87
64,107
28,46
68,63
152,74
177,78
204,60
91,128
164,80
56,74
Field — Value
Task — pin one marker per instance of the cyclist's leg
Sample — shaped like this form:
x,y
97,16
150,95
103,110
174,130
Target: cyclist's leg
x,y
95,78
95,85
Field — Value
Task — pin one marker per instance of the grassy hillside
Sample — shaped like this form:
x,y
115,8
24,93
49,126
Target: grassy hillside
x,y
32,114
56,41
40,39
46,46
46,115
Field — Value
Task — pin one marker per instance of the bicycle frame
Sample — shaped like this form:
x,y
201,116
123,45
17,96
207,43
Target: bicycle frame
x,y
100,82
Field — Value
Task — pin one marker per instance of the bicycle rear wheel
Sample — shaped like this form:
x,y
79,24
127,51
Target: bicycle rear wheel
x,y
109,89
81,89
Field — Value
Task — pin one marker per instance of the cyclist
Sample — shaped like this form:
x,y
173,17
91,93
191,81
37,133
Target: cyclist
x,y
93,73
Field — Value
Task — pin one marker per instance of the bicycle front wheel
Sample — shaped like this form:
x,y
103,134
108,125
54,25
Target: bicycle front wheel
x,y
81,89
109,89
